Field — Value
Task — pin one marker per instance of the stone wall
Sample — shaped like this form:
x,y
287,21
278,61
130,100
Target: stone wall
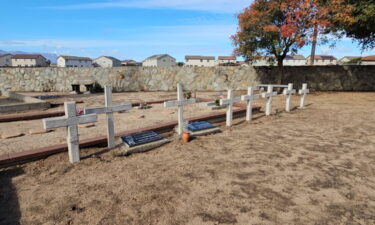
x,y
323,78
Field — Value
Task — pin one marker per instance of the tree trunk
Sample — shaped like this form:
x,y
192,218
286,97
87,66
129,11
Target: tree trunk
x,y
313,47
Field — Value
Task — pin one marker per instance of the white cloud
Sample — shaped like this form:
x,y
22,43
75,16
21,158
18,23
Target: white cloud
x,y
220,6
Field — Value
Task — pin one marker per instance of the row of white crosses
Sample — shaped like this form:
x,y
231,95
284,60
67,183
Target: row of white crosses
x,y
71,121
250,97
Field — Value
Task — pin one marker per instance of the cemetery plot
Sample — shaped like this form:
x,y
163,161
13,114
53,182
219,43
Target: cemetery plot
x,y
201,128
299,168
132,119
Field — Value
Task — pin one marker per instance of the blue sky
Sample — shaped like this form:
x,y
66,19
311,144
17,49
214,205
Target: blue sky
x,y
129,29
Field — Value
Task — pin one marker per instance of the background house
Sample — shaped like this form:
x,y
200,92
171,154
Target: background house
x,y
294,60
323,60
227,59
161,60
5,60
29,60
107,61
368,60
200,61
73,61
130,62
263,61
349,60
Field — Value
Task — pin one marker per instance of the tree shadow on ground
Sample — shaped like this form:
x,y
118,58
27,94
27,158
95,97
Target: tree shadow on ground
x,y
9,205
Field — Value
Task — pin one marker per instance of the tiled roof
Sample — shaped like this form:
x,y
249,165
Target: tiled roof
x,y
198,57
109,57
26,56
159,56
227,58
75,58
324,57
2,55
369,58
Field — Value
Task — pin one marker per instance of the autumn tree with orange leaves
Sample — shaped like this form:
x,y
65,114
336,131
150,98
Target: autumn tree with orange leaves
x,y
278,27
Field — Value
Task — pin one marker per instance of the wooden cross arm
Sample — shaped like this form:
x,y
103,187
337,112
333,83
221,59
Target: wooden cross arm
x,y
250,97
180,103
111,109
64,122
267,94
304,91
229,101
289,92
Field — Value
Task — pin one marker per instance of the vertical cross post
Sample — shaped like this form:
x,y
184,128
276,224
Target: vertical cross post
x,y
229,102
109,109
70,121
304,91
181,101
268,95
289,92
250,97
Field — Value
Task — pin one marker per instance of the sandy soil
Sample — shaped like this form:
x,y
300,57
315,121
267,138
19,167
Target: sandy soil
x,y
312,166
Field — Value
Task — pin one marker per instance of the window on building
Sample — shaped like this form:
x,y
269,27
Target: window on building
x,y
201,60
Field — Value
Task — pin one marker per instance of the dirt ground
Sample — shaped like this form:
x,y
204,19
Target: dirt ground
x,y
312,166
130,120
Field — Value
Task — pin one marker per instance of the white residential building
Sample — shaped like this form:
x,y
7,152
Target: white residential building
x,y
29,60
346,59
130,62
263,61
227,59
294,60
323,60
368,60
107,61
161,60
73,61
5,60
200,61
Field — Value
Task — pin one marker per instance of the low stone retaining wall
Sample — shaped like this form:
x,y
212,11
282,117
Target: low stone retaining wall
x,y
320,78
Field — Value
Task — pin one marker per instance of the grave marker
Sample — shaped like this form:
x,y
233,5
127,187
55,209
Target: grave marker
x,y
268,95
71,121
181,101
109,109
229,102
304,91
250,97
289,92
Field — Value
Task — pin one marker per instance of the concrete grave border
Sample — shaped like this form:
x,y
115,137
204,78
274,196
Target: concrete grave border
x,y
36,154
29,103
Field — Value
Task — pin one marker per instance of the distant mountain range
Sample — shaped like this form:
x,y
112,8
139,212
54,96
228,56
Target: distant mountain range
x,y
50,56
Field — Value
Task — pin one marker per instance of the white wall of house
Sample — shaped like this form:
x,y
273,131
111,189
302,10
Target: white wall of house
x,y
6,60
261,62
322,62
368,63
107,62
62,62
200,62
38,62
294,62
221,61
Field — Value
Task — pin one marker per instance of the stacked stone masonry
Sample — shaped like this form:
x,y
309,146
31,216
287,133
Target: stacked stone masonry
x,y
319,78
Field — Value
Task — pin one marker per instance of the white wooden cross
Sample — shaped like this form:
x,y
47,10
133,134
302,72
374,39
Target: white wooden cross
x,y
289,92
71,121
250,97
229,102
109,109
269,94
303,92
181,101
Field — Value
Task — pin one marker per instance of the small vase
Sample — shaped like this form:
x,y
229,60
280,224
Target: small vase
x,y
186,137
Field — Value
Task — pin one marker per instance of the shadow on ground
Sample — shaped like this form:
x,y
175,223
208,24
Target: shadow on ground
x,y
9,205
